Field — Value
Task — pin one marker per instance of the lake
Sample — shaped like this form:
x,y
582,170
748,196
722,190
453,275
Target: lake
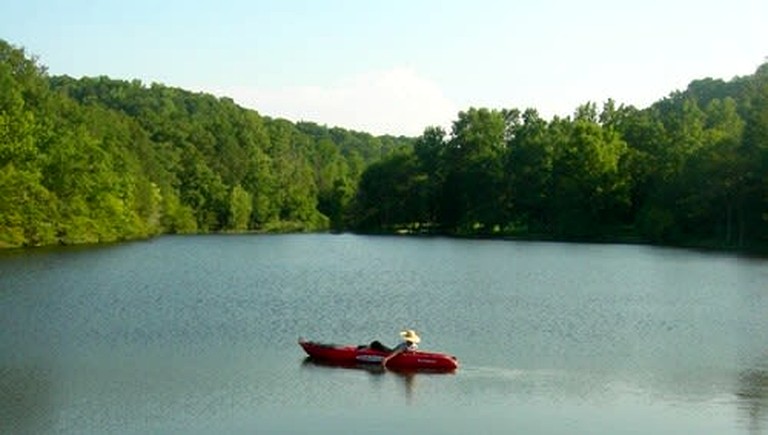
x,y
198,334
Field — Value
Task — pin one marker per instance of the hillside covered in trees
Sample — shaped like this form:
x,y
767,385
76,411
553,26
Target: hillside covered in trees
x,y
692,169
96,160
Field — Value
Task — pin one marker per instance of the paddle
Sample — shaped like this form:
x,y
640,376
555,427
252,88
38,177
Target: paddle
x,y
390,356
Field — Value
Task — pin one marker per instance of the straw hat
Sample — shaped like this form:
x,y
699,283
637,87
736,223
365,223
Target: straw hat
x,y
410,335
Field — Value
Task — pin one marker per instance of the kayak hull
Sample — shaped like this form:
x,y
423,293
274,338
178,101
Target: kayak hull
x,y
350,355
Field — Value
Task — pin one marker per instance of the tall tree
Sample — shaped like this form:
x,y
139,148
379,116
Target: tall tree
x,y
530,163
430,149
240,207
474,173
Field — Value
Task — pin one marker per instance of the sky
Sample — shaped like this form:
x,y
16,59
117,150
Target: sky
x,y
393,66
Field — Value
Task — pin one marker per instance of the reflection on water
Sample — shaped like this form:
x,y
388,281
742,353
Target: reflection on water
x,y
753,398
374,369
408,378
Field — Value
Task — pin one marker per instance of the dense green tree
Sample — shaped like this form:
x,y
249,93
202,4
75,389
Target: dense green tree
x,y
753,218
689,169
97,159
529,166
714,176
471,197
334,184
388,195
28,213
177,218
430,149
240,205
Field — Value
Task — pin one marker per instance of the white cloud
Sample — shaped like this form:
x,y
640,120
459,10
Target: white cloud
x,y
394,101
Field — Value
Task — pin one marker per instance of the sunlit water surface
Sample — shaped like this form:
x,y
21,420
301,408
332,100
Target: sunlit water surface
x,y
198,335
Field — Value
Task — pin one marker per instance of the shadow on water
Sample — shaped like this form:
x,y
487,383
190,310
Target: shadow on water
x,y
753,397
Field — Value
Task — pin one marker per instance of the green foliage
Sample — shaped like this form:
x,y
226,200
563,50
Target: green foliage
x,y
240,206
27,212
388,196
96,159
588,188
177,218
474,170
690,169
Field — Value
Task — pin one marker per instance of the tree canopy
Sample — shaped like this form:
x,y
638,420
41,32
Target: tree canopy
x,y
691,169
96,159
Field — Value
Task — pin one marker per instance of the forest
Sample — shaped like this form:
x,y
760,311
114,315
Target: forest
x,y
95,160
690,170
98,160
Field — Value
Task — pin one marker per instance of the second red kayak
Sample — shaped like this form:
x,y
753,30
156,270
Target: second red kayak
x,y
353,355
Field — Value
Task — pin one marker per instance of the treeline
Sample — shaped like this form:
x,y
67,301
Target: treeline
x,y
691,169
96,160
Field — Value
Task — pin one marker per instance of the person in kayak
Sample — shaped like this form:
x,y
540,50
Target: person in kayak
x,y
409,343
410,338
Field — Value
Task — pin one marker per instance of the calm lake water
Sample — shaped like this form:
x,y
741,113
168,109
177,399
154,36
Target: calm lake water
x,y
198,335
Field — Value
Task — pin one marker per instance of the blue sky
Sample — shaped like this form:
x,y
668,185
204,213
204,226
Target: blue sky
x,y
398,66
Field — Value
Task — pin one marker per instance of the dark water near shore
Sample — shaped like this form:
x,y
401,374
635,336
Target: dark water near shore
x,y
198,335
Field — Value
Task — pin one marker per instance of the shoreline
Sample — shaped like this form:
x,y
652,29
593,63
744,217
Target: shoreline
x,y
759,251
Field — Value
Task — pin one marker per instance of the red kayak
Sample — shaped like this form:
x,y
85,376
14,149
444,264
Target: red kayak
x,y
350,355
